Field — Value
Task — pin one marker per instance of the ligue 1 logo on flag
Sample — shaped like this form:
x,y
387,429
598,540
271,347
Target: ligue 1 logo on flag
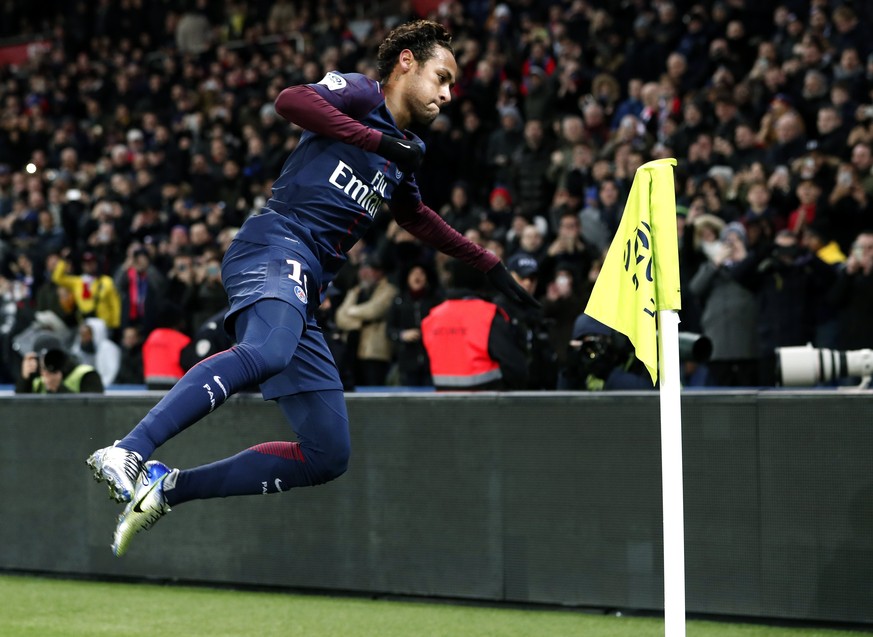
x,y
640,274
642,253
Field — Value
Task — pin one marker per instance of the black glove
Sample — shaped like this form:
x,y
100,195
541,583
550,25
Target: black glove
x,y
502,280
403,152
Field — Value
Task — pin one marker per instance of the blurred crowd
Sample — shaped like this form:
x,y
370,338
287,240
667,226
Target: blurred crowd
x,y
141,134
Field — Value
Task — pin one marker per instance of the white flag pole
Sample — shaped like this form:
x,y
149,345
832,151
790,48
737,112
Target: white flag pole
x,y
671,474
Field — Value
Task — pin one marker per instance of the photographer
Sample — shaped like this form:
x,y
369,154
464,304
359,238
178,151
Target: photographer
x,y
790,284
56,372
852,293
530,328
601,359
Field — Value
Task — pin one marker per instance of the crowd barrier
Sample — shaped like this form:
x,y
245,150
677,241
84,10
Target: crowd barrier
x,y
549,498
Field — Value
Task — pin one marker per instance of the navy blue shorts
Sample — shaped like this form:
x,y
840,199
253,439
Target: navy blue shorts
x,y
253,271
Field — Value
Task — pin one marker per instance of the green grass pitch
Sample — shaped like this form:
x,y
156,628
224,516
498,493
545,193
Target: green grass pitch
x,y
41,607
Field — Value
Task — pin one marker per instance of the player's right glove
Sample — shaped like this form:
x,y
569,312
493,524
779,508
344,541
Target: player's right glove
x,y
502,280
403,152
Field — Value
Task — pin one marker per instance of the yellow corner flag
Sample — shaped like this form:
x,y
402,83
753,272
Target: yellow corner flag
x,y
640,275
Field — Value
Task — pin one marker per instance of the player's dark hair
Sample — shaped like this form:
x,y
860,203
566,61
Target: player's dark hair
x,y
421,37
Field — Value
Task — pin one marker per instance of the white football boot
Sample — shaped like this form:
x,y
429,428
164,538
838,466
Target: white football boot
x,y
119,468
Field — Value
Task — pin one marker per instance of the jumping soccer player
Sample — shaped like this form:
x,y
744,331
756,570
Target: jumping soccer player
x,y
354,155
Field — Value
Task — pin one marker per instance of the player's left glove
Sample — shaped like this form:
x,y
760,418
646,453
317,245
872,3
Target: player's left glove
x,y
502,280
403,152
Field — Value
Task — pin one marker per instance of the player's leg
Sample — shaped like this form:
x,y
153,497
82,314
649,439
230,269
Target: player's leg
x,y
268,332
320,454
267,336
309,393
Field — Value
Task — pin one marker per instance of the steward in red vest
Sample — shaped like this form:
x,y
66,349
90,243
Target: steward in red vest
x,y
470,346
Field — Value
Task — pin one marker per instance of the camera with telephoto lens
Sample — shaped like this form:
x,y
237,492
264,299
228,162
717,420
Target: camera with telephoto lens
x,y
597,352
596,355
809,366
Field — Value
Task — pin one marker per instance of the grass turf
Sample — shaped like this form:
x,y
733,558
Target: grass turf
x,y
39,607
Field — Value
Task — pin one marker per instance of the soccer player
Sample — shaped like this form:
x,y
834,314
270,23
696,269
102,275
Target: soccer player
x,y
355,154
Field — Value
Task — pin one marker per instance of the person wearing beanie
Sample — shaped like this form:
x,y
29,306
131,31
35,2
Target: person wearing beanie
x,y
54,371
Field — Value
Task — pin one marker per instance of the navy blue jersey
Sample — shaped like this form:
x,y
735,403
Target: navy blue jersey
x,y
329,192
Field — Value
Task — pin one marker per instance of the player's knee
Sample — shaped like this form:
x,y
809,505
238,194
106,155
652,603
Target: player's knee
x,y
277,352
271,356
339,462
331,461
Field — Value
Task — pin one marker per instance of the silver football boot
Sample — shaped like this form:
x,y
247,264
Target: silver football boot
x,y
147,506
119,468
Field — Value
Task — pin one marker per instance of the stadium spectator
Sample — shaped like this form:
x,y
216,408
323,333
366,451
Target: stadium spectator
x,y
568,247
567,292
363,317
789,284
790,139
419,294
600,218
862,162
730,311
460,211
503,144
849,206
530,185
853,294
130,368
531,242
93,347
208,295
141,288
94,293
55,371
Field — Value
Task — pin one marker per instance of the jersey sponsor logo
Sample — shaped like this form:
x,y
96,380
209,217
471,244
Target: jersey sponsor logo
x,y
299,293
333,81
369,196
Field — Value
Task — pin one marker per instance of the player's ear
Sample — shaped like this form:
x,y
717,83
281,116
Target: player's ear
x,y
405,61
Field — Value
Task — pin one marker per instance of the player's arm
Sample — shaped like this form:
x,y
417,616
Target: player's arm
x,y
304,106
422,222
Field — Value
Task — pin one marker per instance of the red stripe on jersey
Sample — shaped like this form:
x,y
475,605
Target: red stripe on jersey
x,y
338,249
287,450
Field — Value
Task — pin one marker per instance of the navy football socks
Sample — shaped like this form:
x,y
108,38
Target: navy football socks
x,y
268,333
321,454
